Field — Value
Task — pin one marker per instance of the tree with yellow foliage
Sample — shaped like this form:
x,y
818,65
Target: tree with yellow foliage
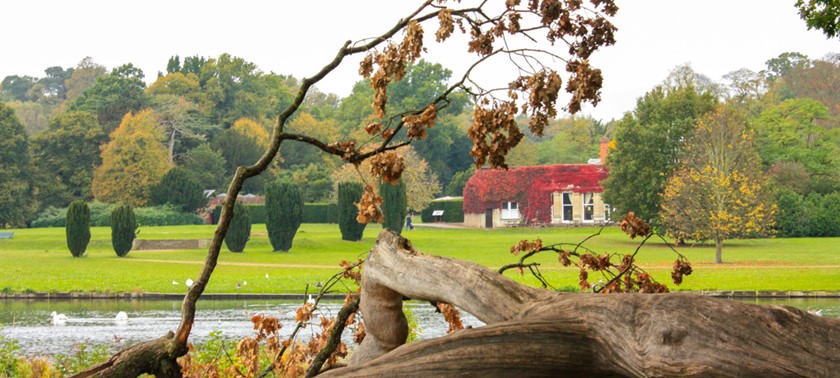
x,y
718,192
133,161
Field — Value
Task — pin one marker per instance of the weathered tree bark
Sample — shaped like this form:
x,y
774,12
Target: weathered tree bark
x,y
158,357
534,332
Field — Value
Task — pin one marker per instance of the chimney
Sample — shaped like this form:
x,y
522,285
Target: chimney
x,y
605,146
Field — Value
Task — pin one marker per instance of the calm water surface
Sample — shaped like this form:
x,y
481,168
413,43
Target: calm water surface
x,y
92,321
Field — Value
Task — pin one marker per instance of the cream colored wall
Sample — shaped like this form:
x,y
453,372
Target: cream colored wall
x,y
474,220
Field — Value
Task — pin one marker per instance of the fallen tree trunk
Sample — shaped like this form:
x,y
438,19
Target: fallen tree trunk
x,y
539,332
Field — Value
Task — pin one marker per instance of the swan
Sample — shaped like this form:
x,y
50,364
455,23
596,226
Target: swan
x,y
58,319
121,317
310,300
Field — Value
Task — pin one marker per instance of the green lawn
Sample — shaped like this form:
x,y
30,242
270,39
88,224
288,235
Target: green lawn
x,y
38,260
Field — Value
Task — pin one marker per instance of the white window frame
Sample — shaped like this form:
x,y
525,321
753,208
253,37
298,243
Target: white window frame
x,y
510,210
564,205
590,206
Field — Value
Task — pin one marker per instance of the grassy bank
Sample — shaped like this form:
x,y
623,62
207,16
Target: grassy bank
x,y
38,260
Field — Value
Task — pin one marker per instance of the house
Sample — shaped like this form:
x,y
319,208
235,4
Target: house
x,y
552,194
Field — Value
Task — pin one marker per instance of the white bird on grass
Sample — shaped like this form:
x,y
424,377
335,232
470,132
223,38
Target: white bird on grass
x,y
58,319
175,282
189,282
121,317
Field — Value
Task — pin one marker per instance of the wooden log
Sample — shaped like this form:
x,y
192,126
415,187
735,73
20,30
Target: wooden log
x,y
533,332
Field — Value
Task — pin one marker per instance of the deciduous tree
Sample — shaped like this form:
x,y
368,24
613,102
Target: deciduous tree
x,y
647,143
133,162
65,156
180,188
114,95
718,193
17,203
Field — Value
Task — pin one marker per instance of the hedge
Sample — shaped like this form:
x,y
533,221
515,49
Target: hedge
x,y
453,210
312,213
100,216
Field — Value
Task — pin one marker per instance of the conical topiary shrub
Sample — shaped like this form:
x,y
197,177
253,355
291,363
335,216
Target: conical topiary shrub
x,y
77,228
239,231
394,205
349,193
283,214
123,229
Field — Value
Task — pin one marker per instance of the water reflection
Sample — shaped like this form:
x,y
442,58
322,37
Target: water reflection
x,y
93,322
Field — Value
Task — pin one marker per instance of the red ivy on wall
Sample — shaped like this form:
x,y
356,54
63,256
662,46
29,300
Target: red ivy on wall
x,y
530,187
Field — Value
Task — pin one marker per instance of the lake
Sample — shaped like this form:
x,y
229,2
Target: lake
x,y
92,321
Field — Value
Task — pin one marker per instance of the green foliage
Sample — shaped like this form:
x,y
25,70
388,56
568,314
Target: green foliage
x,y
821,14
813,215
65,156
453,210
82,358
123,229
78,228
349,193
100,216
10,362
648,141
114,95
16,202
284,214
794,220
180,188
320,213
394,205
241,150
459,181
207,164
312,213
239,231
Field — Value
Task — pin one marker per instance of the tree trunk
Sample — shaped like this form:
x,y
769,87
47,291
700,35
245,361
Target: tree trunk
x,y
158,357
534,332
718,250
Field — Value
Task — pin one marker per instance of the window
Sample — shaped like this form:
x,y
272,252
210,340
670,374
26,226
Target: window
x,y
510,210
588,207
567,207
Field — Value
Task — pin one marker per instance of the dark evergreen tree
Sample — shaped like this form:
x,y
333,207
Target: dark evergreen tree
x,y
181,188
239,231
349,193
394,205
78,228
123,229
284,213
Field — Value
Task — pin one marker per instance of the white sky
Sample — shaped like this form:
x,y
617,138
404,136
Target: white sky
x,y
298,37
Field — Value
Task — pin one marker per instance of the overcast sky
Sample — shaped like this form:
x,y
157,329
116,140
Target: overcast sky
x,y
298,37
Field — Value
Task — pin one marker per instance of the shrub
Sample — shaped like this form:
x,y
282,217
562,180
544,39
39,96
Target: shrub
x,y
348,194
78,228
320,213
284,213
123,229
239,231
181,188
453,210
312,213
394,205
